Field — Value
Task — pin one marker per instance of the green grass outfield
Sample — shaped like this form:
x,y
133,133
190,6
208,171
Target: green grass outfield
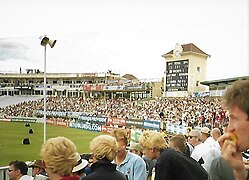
x,y
13,133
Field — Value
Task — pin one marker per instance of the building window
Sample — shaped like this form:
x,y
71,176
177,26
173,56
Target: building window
x,y
198,69
197,83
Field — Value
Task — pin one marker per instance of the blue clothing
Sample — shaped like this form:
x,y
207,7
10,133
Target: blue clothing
x,y
133,167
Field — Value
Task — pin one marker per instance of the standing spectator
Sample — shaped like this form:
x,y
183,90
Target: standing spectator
x,y
104,150
215,133
18,171
236,100
59,157
205,152
220,170
130,164
178,143
171,164
194,138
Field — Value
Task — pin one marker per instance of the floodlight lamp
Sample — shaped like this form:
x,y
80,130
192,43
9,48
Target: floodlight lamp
x,y
51,43
44,40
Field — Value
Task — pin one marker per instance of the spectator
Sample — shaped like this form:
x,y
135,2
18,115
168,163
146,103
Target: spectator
x,y
178,143
193,140
236,100
130,164
79,169
136,148
104,150
59,157
38,171
18,171
205,152
170,163
215,133
220,170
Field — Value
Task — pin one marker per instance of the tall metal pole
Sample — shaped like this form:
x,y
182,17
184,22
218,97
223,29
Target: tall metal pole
x,y
44,96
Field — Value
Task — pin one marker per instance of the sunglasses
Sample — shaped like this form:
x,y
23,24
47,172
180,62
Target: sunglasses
x,y
10,170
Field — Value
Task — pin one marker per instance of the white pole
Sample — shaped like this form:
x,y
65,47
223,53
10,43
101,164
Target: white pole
x,y
44,95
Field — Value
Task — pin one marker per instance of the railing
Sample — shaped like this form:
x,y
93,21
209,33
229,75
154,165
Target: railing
x,y
3,173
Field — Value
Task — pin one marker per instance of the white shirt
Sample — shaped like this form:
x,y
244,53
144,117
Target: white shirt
x,y
207,151
26,177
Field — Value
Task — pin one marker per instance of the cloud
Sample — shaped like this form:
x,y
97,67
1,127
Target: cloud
x,y
10,49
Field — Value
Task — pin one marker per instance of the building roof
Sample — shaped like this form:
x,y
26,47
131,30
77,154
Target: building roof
x,y
189,48
129,77
223,81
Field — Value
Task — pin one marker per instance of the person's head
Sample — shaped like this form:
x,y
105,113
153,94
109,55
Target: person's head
x,y
194,137
178,142
215,133
121,137
103,147
59,156
79,169
17,169
153,143
136,148
37,167
236,101
205,133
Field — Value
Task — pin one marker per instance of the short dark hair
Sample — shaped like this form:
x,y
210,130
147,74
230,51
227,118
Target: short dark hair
x,y
22,166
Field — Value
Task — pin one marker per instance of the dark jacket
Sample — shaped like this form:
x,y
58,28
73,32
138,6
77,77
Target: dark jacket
x,y
104,170
173,165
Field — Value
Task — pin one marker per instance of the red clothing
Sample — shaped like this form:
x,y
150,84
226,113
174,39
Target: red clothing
x,y
70,178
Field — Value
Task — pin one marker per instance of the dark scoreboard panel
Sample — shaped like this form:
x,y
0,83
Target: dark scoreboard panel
x,y
177,75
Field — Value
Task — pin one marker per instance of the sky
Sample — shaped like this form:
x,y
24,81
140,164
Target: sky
x,y
124,36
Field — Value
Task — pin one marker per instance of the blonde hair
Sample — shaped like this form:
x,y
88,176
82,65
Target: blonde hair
x,y
59,155
152,139
104,146
120,134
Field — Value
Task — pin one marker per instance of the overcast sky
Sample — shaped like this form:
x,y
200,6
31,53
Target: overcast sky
x,y
125,36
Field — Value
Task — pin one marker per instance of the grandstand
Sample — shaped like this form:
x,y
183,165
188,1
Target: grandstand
x,y
12,100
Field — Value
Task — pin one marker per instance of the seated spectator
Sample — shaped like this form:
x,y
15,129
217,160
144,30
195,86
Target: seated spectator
x,y
18,171
79,169
38,171
170,163
104,150
59,158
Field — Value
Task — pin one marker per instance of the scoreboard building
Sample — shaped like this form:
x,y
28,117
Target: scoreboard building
x,y
185,69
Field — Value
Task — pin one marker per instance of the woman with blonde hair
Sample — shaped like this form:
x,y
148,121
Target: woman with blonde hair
x,y
104,150
59,158
171,164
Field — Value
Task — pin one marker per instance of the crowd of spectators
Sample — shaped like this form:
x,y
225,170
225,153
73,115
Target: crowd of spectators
x,y
184,111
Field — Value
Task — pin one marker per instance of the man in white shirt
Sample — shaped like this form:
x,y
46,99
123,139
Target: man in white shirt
x,y
205,152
